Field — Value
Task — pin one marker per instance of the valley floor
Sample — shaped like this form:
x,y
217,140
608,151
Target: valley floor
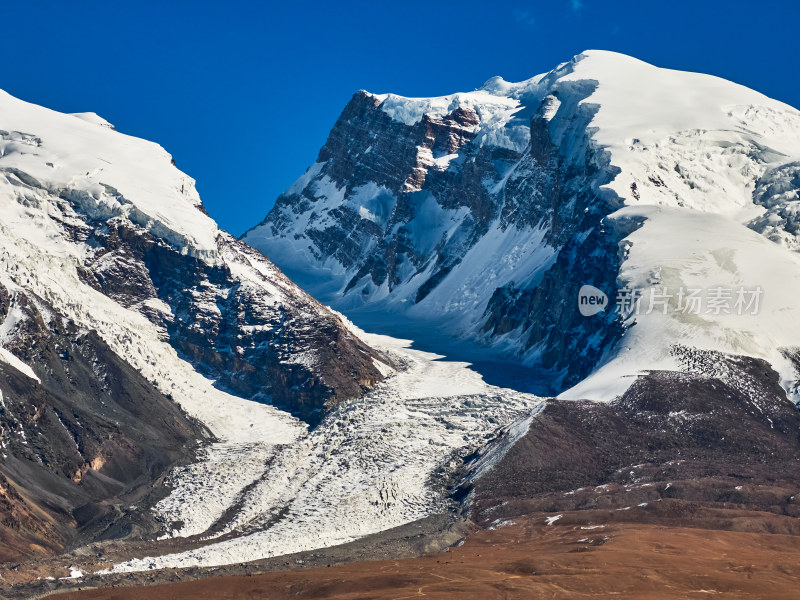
x,y
582,555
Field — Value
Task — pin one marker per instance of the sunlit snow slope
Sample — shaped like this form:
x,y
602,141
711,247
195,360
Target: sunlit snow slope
x,y
488,210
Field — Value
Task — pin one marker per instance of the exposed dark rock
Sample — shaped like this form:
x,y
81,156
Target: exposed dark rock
x,y
75,444
727,441
283,347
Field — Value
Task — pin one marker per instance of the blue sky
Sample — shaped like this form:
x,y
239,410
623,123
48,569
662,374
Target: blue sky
x,y
243,94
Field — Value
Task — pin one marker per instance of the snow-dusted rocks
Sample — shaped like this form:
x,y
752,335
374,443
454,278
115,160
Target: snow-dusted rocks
x,y
488,211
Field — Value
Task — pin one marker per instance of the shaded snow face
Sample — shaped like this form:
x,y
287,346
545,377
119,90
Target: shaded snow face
x,y
506,200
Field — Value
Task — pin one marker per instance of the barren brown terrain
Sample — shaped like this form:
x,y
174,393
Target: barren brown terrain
x,y
572,558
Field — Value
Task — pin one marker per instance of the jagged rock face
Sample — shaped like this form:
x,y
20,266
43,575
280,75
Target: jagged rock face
x,y
395,162
399,209
487,211
546,312
584,250
294,354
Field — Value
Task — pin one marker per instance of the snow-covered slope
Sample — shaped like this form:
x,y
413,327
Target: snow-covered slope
x,y
120,301
101,170
87,209
487,211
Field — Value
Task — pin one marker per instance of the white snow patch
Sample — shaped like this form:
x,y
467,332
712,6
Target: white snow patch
x,y
73,573
551,520
20,366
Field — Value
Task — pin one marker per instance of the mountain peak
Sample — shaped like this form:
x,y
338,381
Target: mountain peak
x,y
82,152
559,181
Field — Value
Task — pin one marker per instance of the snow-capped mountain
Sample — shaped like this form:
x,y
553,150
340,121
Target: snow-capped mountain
x,y
133,329
167,385
488,211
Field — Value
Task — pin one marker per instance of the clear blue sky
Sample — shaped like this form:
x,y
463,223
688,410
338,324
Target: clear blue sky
x,y
243,94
